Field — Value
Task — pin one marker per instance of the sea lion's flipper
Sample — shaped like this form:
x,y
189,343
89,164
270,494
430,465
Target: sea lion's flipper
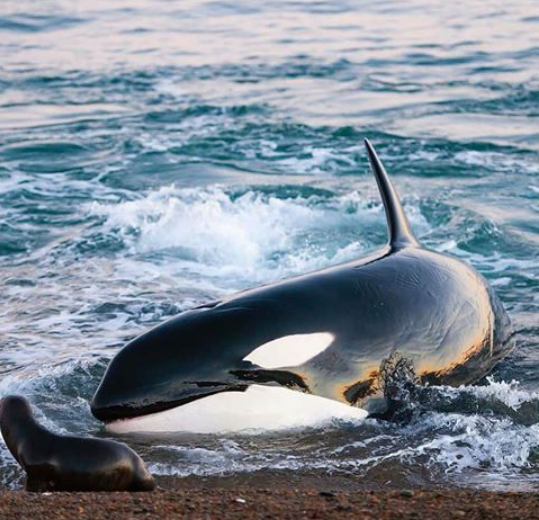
x,y
400,234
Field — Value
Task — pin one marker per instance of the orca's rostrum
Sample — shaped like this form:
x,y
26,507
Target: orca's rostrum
x,y
328,333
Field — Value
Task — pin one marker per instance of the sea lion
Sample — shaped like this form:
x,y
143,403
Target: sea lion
x,y
64,463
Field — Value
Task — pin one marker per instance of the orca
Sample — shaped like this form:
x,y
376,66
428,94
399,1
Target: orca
x,y
334,333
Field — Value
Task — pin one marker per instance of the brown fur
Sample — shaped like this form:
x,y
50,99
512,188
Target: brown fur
x,y
64,463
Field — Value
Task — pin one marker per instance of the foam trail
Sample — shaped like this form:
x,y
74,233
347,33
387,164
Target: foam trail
x,y
251,236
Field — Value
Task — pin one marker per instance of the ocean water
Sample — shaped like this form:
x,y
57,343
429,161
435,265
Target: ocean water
x,y
156,155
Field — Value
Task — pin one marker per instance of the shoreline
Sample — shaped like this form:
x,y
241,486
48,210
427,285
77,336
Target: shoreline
x,y
290,503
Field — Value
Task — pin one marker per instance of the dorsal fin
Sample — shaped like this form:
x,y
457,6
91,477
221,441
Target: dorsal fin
x,y
400,234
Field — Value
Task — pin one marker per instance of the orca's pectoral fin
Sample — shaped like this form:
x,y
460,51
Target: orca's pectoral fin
x,y
400,234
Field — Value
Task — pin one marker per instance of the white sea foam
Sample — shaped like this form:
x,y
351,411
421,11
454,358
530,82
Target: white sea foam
x,y
228,457
453,443
253,237
477,441
457,442
318,160
209,226
497,161
508,393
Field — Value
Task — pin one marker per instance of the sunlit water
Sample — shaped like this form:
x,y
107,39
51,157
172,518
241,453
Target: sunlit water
x,y
157,155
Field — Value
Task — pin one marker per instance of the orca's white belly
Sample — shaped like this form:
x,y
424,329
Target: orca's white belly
x,y
258,409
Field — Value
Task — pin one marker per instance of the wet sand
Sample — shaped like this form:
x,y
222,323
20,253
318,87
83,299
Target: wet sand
x,y
198,498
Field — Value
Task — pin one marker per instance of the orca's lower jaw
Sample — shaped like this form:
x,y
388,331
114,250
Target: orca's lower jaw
x,y
118,412
115,413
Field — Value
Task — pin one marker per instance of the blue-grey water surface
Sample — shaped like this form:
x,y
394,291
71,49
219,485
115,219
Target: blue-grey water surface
x,y
155,155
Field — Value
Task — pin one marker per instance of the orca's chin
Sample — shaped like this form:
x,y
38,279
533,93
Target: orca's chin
x,y
110,413
119,413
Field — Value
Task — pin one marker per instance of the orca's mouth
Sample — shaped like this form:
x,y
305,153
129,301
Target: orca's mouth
x,y
113,413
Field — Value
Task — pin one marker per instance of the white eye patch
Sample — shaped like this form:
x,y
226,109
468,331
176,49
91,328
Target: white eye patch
x,y
290,351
